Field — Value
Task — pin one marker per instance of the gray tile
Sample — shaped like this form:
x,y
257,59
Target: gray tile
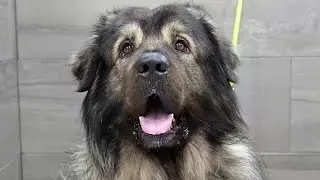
x,y
41,166
7,31
44,33
223,13
305,126
9,123
263,93
50,108
292,29
293,175
49,42
11,171
59,13
292,161
305,78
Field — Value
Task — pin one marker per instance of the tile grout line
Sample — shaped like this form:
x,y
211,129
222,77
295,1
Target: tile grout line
x,y
16,48
277,57
15,29
290,102
299,153
43,153
8,60
306,100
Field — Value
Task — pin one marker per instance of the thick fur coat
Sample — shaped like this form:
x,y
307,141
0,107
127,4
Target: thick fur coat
x,y
166,61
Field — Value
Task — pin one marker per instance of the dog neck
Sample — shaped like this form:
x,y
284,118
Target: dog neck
x,y
196,163
197,160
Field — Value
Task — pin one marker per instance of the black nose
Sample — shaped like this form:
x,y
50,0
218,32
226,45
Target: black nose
x,y
152,63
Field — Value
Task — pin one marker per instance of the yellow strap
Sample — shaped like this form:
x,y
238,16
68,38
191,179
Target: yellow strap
x,y
236,27
231,84
237,21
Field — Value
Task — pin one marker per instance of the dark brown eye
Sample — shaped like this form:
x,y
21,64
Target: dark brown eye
x,y
182,45
126,48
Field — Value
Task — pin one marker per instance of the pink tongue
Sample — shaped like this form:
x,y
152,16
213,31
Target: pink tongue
x,y
156,123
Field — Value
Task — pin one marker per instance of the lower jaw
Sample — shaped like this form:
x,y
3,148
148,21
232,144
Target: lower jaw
x,y
174,138
159,141
170,139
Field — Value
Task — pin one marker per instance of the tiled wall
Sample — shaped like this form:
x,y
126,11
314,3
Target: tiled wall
x,y
278,91
9,114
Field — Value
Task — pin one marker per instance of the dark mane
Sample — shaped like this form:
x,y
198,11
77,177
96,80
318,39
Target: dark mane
x,y
207,138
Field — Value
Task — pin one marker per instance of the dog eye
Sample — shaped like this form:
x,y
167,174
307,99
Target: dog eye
x,y
182,45
126,48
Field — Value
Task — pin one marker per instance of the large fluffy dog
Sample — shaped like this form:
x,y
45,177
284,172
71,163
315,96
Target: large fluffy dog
x,y
159,105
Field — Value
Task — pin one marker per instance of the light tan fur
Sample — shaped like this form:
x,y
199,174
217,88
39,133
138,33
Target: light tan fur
x,y
134,165
198,160
245,166
171,29
128,31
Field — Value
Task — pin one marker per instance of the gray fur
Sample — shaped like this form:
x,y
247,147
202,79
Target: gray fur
x,y
234,161
229,158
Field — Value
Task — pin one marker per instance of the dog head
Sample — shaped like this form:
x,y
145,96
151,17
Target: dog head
x,y
156,76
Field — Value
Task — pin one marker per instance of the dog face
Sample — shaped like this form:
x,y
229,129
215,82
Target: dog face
x,y
153,76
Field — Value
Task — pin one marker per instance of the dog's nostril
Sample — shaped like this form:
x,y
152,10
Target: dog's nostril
x,y
161,67
143,69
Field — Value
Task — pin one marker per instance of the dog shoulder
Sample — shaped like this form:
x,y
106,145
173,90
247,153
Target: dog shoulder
x,y
240,162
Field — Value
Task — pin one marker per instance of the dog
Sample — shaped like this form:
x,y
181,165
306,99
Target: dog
x,y
158,104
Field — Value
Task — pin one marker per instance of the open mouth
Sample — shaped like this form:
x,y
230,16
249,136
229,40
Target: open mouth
x,y
156,123
157,120
158,126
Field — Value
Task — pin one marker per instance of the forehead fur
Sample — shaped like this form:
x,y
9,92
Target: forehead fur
x,y
128,31
172,28
152,20
140,24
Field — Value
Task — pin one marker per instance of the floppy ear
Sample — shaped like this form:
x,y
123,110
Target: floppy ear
x,y
229,60
85,63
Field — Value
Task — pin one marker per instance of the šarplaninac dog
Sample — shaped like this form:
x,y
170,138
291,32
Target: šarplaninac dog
x,y
158,102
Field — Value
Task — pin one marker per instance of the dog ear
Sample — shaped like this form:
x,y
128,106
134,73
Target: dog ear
x,y
229,60
85,63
